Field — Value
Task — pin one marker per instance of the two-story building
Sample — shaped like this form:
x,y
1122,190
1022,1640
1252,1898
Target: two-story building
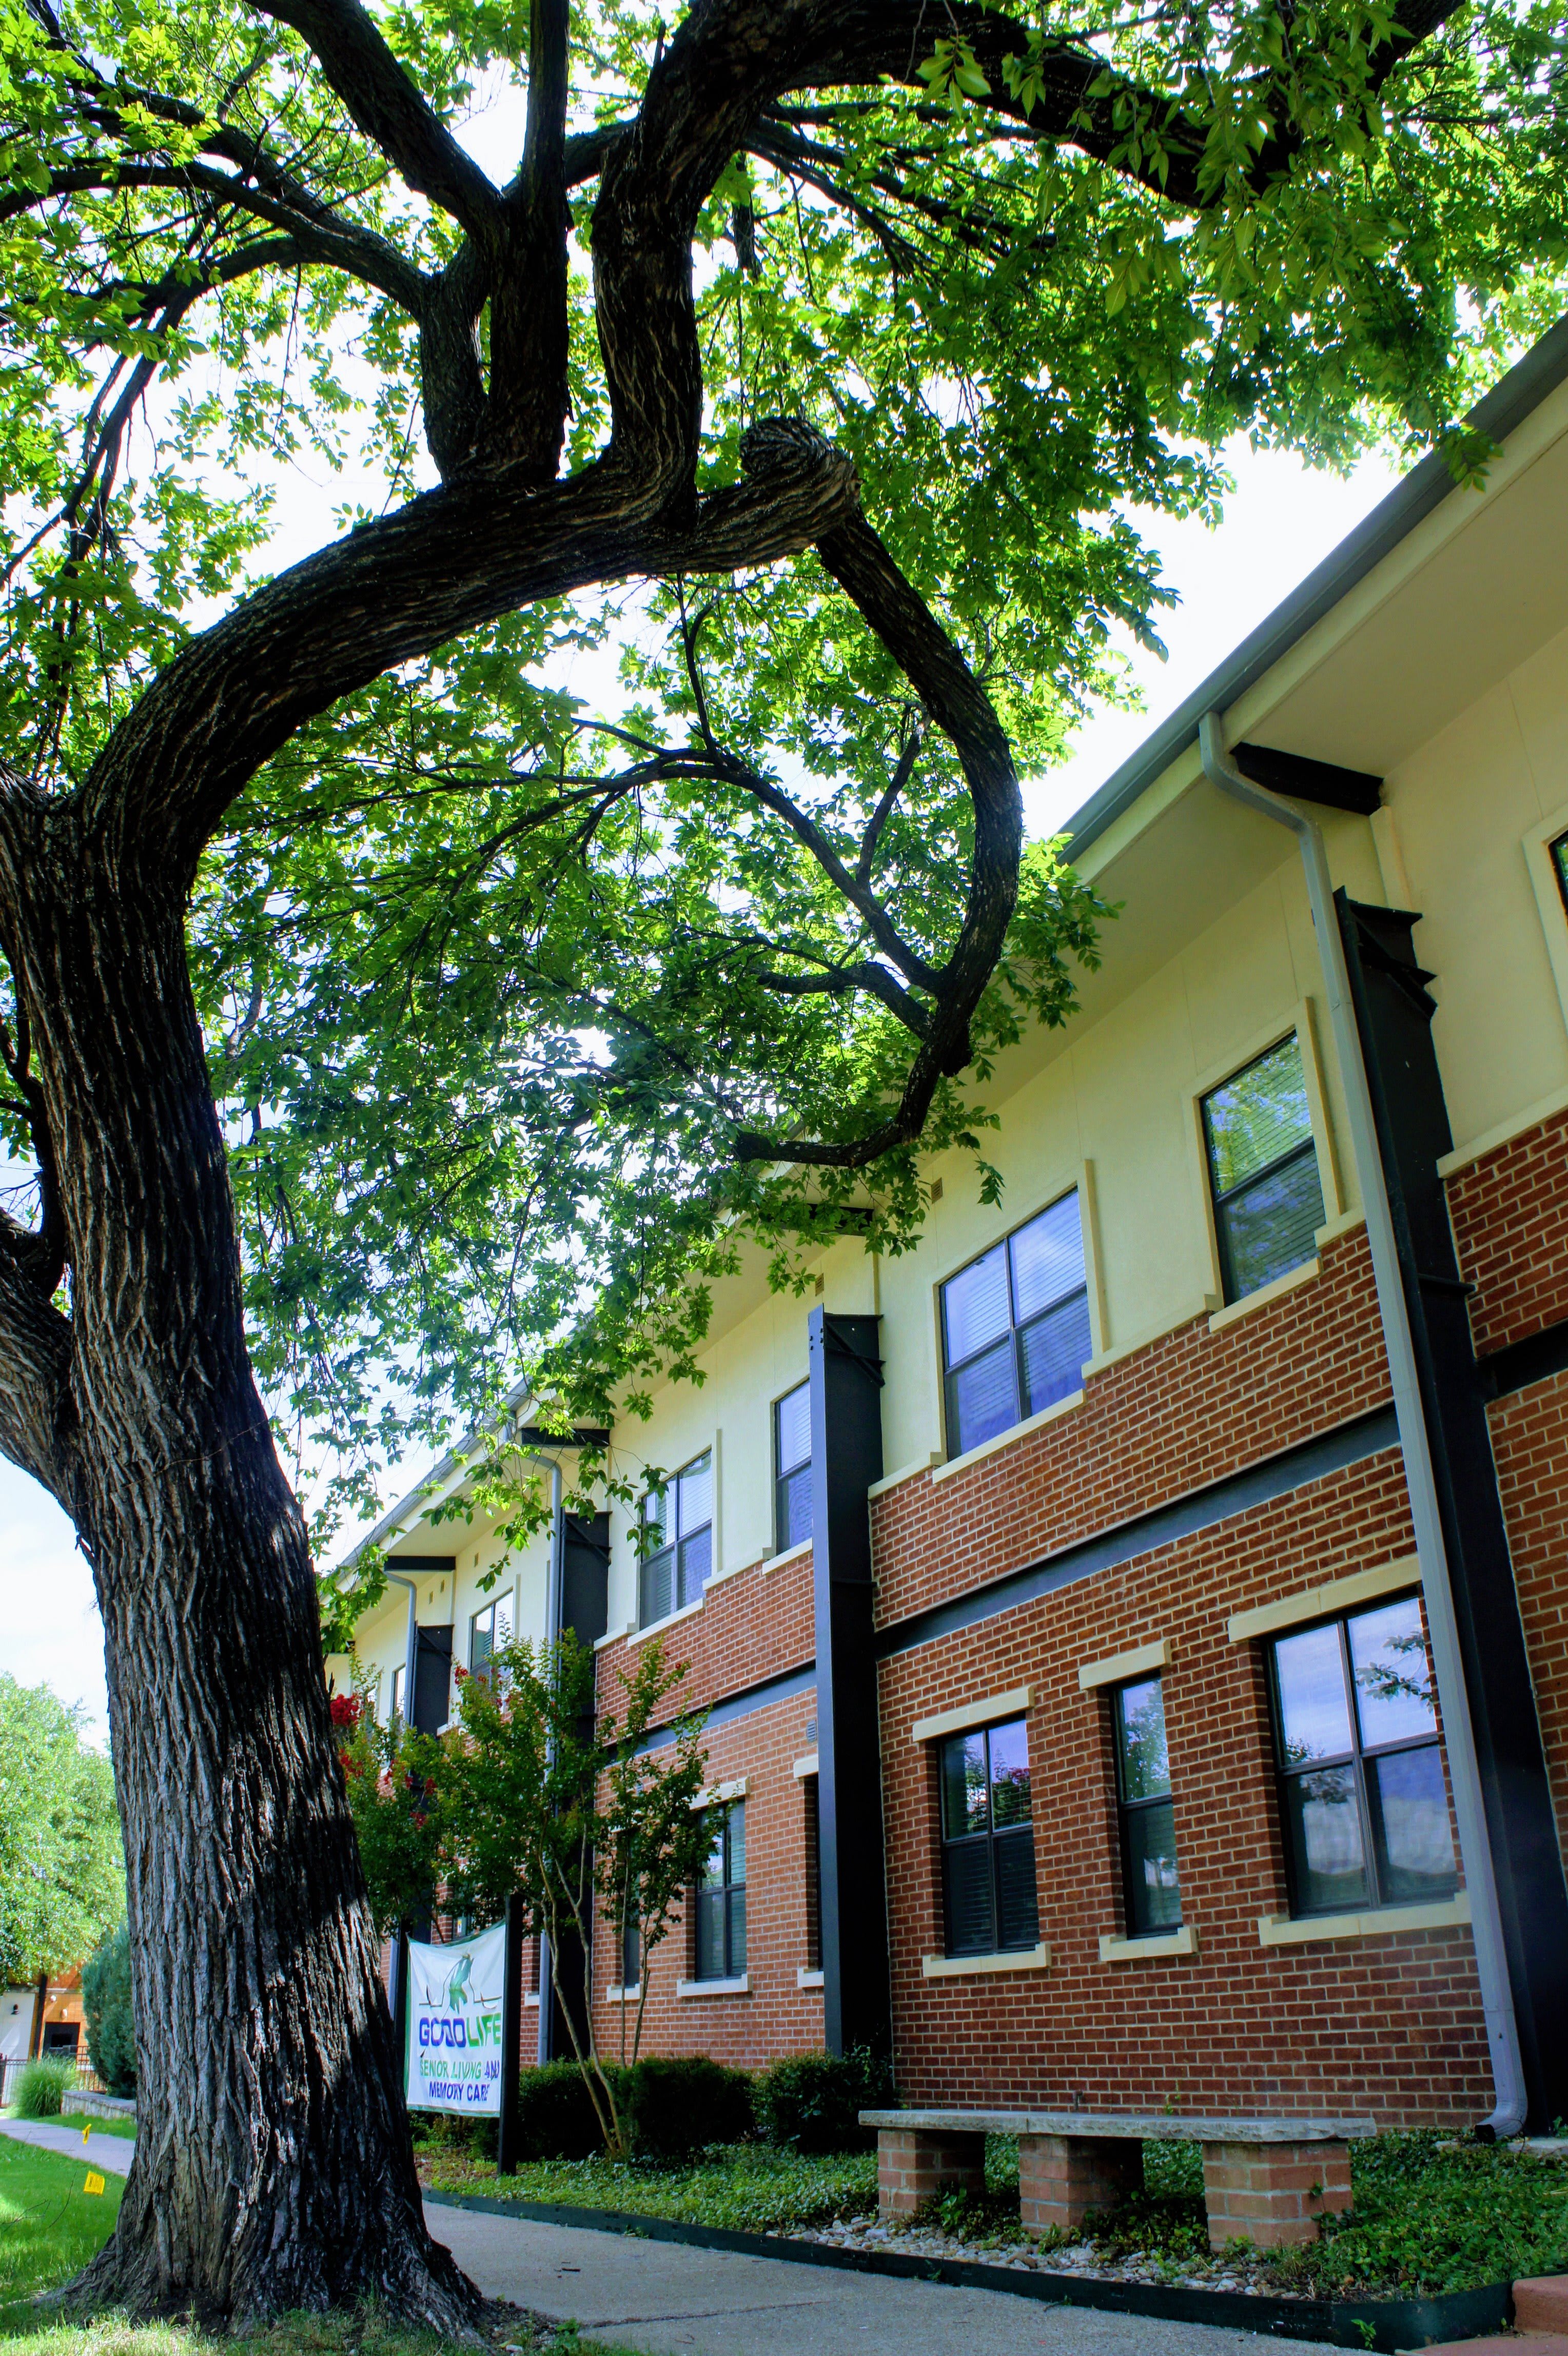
x,y
1135,1624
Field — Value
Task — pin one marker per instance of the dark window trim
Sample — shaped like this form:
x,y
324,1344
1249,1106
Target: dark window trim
x,y
1126,1809
1354,1758
991,1839
1015,1332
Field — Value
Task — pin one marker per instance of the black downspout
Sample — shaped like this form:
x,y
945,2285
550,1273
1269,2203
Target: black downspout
x,y
1393,1016
846,1458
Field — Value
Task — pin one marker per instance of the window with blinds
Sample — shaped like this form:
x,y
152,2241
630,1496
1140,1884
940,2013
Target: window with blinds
x,y
1015,1327
1263,1170
988,1841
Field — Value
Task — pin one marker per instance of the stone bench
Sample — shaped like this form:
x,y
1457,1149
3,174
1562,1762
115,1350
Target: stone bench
x,y
1264,2181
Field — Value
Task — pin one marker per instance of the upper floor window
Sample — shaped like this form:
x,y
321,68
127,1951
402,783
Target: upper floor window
x,y
1150,1884
793,1468
1015,1327
988,1841
1262,1170
721,1897
487,1629
394,1706
678,1525
1362,1788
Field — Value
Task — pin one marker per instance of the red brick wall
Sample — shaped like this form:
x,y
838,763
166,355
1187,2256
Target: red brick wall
x,y
775,2016
1191,1409
756,1625
1530,1442
1510,1212
1390,2026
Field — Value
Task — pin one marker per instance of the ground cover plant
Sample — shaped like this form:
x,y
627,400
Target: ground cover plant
x,y
1430,2214
747,2187
50,2226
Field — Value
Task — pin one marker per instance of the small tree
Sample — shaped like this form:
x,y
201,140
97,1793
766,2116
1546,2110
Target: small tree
x,y
575,1813
393,1777
62,1869
109,2010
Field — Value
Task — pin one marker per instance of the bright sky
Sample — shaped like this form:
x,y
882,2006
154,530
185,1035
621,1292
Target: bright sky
x,y
1279,522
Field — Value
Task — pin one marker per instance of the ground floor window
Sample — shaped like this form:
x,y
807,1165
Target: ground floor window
x,y
1362,1795
988,1841
721,1897
1150,1883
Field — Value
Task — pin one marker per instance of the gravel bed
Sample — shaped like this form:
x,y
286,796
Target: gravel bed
x,y
1217,2273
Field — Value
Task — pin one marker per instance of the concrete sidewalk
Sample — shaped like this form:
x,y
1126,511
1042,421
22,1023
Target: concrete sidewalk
x,y
668,2300
111,2154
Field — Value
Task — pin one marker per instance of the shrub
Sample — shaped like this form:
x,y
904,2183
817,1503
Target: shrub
x,y
676,2106
556,2115
111,2023
40,2087
811,2102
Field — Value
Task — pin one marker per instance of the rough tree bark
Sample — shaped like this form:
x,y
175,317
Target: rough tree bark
x,y
272,2168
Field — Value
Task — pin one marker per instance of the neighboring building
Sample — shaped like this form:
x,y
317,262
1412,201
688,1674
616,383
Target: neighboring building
x,y
44,2018
1053,1588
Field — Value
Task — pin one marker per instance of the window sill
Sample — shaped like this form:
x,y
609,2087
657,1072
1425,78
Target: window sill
x,y
622,1994
741,1986
615,1636
950,1968
657,1627
782,1561
805,1979
1232,1314
713,1794
1114,1949
532,1997
1378,1921
1068,1406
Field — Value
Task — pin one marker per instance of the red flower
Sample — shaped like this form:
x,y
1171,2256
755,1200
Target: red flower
x,y
346,1708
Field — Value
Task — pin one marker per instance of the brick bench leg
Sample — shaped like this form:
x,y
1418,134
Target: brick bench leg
x,y
914,2165
1062,2178
1272,2194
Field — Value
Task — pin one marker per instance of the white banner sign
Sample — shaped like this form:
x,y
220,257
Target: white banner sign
x,y
454,2025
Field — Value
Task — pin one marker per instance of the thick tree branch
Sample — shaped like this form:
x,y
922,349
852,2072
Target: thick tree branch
x,y
383,101
959,706
389,593
35,1368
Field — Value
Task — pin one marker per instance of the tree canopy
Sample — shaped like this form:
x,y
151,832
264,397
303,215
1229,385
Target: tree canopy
x,y
520,985
62,1872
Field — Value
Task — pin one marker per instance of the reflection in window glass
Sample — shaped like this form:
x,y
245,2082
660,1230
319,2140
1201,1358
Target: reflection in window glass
x,y
1150,1884
1263,1170
1015,1327
988,1841
1363,1799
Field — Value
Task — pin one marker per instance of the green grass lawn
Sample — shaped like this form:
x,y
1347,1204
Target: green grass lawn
x,y
50,2226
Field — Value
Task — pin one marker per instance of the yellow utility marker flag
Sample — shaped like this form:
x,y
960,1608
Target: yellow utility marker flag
x,y
93,2184
87,2130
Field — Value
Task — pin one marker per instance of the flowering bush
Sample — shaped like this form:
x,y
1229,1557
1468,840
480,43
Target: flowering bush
x,y
390,1776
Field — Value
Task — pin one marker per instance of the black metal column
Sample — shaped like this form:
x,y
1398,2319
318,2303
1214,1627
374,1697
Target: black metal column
x,y
1393,1014
846,1458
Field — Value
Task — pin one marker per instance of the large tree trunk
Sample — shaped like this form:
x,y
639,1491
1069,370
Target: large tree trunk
x,y
272,2167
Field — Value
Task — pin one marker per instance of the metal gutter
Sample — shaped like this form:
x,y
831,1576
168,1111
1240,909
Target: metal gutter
x,y
1498,414
1415,1439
